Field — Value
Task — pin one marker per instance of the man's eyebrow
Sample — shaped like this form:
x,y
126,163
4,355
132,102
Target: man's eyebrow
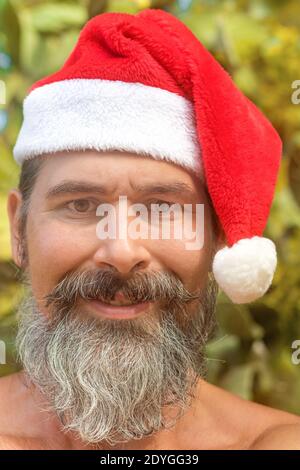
x,y
71,186
174,187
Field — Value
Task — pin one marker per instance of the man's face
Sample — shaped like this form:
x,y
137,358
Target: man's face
x,y
61,234
64,254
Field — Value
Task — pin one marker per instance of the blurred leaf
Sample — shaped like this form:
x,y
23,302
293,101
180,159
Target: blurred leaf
x,y
50,18
96,7
9,23
236,320
239,380
294,177
10,295
218,348
123,6
245,79
245,35
5,250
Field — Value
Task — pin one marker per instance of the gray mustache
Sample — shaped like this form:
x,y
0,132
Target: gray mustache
x,y
103,285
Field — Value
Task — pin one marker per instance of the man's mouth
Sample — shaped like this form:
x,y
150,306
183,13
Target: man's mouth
x,y
120,307
119,303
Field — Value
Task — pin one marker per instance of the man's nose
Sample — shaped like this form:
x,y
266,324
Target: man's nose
x,y
124,255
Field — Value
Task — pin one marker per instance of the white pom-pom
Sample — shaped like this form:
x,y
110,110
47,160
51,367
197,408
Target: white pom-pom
x,y
246,269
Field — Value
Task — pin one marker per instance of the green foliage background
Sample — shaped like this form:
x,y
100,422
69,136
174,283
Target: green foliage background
x,y
258,42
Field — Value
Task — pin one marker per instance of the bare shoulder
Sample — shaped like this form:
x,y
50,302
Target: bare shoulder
x,y
10,397
17,443
281,437
252,425
24,423
9,443
11,413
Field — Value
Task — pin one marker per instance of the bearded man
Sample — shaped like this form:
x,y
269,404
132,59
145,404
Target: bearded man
x,y
112,329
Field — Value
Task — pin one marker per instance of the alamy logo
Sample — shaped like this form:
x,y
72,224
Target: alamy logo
x,y
162,221
2,352
295,98
296,353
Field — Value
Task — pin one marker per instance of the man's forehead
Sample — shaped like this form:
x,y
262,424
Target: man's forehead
x,y
112,171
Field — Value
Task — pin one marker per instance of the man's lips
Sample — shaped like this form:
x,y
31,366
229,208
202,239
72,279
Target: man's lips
x,y
120,307
119,311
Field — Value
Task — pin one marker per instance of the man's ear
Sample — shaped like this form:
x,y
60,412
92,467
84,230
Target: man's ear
x,y
14,203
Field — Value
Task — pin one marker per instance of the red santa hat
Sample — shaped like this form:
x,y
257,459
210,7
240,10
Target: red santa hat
x,y
144,83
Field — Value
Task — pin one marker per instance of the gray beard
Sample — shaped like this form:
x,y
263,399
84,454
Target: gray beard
x,y
111,381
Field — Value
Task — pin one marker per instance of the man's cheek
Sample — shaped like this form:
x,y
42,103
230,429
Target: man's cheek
x,y
51,253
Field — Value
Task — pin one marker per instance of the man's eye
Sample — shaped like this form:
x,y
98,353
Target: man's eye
x,y
82,206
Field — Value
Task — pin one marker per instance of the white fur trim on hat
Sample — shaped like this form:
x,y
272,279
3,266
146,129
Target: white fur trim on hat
x,y
100,114
245,270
